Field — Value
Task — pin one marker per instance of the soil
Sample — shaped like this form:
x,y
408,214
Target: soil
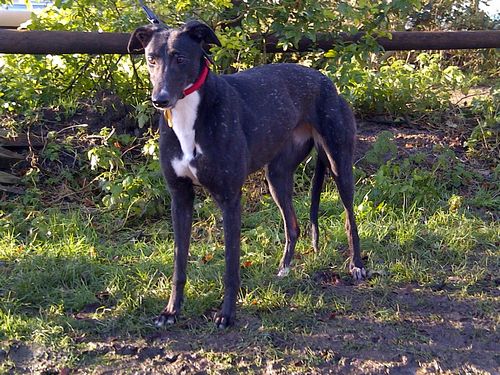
x,y
432,333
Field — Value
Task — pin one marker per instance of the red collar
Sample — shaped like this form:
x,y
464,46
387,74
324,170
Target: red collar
x,y
199,81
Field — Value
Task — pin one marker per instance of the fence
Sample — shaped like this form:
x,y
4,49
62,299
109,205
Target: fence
x,y
63,42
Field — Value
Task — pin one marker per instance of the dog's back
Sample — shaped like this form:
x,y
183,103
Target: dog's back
x,y
282,92
298,103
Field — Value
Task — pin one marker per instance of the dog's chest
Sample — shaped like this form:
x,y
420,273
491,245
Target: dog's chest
x,y
183,117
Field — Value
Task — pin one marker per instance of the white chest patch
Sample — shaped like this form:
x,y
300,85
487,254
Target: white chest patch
x,y
183,118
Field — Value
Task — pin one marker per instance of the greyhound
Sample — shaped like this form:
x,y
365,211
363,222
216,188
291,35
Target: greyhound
x,y
218,129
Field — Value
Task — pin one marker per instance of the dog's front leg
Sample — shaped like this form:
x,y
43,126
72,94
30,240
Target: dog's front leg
x,y
231,214
182,217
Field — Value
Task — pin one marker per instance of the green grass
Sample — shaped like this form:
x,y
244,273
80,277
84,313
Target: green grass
x,y
69,278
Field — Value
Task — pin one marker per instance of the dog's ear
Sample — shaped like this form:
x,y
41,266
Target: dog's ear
x,y
201,32
140,38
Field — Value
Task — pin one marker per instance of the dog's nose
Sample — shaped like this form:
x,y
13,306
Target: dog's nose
x,y
161,99
161,103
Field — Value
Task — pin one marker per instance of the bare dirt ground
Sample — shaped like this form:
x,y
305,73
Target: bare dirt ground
x,y
430,333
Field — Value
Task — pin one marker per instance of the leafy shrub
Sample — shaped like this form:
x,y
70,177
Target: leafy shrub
x,y
397,87
242,27
30,82
400,87
418,181
383,149
131,189
484,142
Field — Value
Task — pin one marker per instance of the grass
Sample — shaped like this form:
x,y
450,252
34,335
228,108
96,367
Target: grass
x,y
70,281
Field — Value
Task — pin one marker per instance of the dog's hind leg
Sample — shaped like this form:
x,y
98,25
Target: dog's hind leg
x,y
317,185
281,187
345,184
338,144
279,174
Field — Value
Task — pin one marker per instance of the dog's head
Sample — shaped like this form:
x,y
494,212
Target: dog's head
x,y
175,58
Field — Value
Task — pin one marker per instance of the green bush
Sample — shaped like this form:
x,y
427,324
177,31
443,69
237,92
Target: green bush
x,y
398,87
484,141
129,182
417,181
129,188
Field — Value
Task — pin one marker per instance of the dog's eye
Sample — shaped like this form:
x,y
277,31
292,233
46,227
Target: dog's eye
x,y
180,59
151,60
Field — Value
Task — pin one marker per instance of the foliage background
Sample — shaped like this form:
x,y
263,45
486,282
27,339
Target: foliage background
x,y
396,84
31,82
90,228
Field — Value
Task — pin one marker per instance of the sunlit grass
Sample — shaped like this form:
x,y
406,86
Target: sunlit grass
x,y
70,274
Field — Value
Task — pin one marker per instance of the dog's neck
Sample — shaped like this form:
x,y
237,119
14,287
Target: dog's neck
x,y
189,90
200,81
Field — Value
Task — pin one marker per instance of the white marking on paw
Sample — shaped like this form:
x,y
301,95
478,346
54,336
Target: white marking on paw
x,y
358,274
159,321
284,272
163,320
183,118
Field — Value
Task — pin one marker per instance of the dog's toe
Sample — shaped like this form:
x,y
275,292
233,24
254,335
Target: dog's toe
x,y
283,272
159,321
223,322
164,319
358,273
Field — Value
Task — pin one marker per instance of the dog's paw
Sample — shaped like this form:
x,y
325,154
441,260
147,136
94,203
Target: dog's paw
x,y
283,272
165,319
358,273
223,321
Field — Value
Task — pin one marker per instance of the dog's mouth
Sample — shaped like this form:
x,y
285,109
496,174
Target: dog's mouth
x,y
163,107
164,102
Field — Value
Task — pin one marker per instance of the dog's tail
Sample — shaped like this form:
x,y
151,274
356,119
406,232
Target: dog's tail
x,y
317,186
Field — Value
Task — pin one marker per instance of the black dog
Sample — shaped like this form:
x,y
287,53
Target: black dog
x,y
219,129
